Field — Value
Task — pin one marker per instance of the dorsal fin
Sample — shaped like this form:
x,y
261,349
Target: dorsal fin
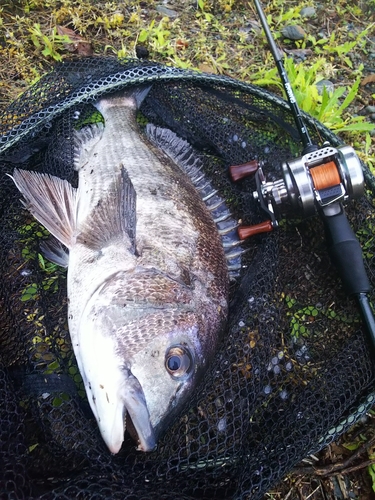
x,y
176,148
182,153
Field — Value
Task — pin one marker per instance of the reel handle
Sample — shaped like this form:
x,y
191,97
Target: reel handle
x,y
245,232
238,172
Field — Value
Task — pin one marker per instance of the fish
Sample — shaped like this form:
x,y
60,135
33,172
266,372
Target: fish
x,y
147,274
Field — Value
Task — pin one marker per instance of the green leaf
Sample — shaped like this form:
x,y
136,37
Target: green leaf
x,y
41,261
352,446
29,293
201,4
351,95
54,365
143,36
355,127
371,471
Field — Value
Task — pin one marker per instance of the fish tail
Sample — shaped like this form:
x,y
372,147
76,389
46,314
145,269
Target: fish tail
x,y
132,98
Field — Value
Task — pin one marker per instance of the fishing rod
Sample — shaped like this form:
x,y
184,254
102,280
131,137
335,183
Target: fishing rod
x,y
319,181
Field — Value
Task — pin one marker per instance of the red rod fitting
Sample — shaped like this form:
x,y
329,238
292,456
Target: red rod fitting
x,y
247,231
238,172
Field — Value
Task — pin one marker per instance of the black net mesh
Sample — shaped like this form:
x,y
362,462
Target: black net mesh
x,y
294,369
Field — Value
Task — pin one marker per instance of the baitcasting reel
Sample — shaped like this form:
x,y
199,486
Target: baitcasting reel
x,y
317,180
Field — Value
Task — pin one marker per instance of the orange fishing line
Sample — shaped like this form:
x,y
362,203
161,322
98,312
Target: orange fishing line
x,y
325,176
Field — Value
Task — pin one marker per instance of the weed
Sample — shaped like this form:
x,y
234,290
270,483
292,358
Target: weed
x,y
50,46
158,37
49,282
203,11
327,107
365,151
305,319
51,273
362,441
208,35
331,47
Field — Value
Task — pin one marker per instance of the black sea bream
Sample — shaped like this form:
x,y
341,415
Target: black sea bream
x,y
147,273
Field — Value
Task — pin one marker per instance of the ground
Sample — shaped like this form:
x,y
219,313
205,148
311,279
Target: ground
x,y
337,44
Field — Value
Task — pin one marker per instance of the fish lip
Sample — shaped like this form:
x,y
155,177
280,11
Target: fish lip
x,y
145,442
136,409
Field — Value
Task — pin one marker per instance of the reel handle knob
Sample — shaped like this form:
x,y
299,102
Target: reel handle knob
x,y
238,172
247,231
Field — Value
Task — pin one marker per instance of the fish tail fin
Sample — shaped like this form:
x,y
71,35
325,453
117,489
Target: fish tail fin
x,y
132,98
86,138
140,94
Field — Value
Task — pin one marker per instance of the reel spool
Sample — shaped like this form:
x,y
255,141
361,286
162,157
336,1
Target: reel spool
x,y
323,177
317,180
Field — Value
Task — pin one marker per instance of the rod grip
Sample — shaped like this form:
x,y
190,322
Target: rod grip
x,y
346,253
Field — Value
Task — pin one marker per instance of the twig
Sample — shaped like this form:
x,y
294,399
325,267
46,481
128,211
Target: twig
x,y
340,467
293,487
313,492
354,468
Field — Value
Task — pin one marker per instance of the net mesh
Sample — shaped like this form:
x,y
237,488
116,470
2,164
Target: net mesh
x,y
294,369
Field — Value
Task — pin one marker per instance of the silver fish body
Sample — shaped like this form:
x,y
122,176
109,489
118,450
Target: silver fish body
x,y
147,274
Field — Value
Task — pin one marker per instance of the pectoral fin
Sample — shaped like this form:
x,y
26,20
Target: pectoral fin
x,y
113,217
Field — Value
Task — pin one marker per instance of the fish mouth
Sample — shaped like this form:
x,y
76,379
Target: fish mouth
x,y
130,409
145,440
137,416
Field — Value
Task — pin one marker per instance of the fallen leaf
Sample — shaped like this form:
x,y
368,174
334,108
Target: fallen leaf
x,y
368,79
206,68
181,44
78,44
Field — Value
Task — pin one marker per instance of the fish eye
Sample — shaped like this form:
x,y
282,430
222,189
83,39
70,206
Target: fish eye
x,y
178,361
